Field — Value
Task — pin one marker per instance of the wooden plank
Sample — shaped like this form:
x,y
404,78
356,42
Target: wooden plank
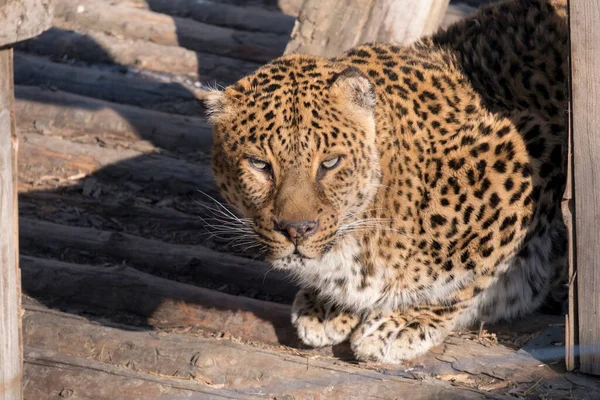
x,y
195,262
229,366
101,48
172,31
155,302
45,155
79,378
571,334
109,86
232,16
68,115
585,82
10,339
23,19
325,29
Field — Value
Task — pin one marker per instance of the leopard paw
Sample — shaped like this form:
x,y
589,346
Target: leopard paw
x,y
320,324
393,338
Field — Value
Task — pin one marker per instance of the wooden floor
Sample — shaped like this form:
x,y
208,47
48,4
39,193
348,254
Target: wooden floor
x,y
132,288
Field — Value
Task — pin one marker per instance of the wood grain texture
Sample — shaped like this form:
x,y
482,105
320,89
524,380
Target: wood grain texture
x,y
23,19
48,112
585,42
102,48
109,86
151,170
10,343
166,30
326,29
161,257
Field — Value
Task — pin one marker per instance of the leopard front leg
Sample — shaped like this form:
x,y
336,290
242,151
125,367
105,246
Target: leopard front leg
x,y
319,323
399,336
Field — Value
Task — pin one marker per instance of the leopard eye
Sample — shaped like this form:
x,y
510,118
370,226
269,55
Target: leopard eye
x,y
259,164
331,163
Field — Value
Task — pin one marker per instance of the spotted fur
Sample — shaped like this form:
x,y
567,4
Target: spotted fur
x,y
444,205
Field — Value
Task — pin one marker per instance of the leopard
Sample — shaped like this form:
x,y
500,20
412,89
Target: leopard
x,y
410,191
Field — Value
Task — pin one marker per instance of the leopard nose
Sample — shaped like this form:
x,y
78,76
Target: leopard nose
x,y
297,230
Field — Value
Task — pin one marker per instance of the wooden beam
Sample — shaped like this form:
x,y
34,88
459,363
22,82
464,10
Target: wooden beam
x,y
10,288
166,30
251,19
109,86
68,115
330,27
52,337
101,48
195,262
156,302
23,19
585,84
49,155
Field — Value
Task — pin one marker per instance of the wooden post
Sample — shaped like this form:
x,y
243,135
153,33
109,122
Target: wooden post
x,y
585,128
10,340
329,27
21,19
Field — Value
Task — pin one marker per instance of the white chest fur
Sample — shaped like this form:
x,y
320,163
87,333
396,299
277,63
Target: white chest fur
x,y
338,277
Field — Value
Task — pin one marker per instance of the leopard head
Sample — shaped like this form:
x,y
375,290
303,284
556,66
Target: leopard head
x,y
294,151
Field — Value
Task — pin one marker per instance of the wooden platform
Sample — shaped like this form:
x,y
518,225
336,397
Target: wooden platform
x,y
129,293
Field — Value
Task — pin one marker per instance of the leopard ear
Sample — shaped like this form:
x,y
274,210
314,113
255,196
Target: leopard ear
x,y
355,86
215,105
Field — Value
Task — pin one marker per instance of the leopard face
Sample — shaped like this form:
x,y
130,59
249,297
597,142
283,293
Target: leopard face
x,y
294,151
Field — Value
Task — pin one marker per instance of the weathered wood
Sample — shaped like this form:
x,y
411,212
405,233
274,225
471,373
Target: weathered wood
x,y
109,86
325,29
571,336
68,115
455,13
161,303
220,364
98,47
10,326
172,31
126,211
585,83
275,370
78,378
154,171
196,262
289,7
23,19
242,18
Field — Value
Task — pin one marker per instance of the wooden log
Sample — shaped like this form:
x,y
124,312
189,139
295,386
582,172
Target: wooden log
x,y
126,211
246,369
51,156
98,47
229,366
68,115
23,19
159,302
585,98
197,262
78,378
10,325
89,15
108,86
326,30
232,16
288,7
123,211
